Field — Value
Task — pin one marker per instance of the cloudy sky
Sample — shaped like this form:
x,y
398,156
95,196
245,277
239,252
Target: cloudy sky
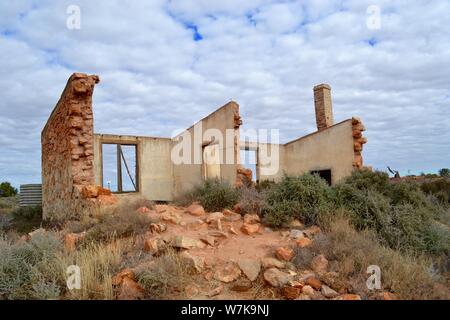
x,y
165,64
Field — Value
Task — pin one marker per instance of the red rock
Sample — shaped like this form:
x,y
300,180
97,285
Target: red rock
x,y
251,219
228,212
303,242
107,200
130,290
242,285
154,245
197,263
312,231
308,290
118,278
319,263
184,242
216,291
284,253
348,296
272,263
276,278
90,191
386,296
291,293
213,217
314,283
250,229
227,273
195,210
71,240
143,210
103,191
250,267
158,227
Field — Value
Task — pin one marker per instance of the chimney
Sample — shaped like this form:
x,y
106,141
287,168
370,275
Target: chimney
x,y
324,109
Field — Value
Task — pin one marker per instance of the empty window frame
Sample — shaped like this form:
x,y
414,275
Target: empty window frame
x,y
324,174
211,161
120,167
249,160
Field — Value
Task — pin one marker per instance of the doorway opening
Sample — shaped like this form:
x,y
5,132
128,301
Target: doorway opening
x,y
249,161
120,167
324,174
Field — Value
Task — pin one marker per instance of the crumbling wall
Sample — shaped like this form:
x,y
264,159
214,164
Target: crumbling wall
x,y
358,142
68,154
187,175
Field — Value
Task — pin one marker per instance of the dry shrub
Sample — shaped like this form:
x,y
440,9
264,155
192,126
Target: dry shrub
x,y
167,276
98,264
118,222
306,197
250,200
353,251
30,270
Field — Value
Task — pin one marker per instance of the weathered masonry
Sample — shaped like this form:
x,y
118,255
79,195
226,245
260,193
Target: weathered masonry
x,y
80,169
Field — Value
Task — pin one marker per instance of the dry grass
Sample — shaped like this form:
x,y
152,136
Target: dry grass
x,y
352,252
167,276
116,222
98,264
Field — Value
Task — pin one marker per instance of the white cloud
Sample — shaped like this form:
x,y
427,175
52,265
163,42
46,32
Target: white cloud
x,y
266,55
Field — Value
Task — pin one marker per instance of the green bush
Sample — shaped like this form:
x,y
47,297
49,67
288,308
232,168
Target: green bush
x,y
28,213
444,172
440,188
25,219
7,190
366,179
30,270
215,195
366,208
306,197
400,213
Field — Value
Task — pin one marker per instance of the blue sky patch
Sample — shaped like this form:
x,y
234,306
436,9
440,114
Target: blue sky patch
x,y
196,35
371,42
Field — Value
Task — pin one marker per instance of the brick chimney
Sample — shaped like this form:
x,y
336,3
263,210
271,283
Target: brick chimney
x,y
324,109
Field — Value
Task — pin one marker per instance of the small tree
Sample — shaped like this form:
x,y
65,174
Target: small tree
x,y
444,172
7,190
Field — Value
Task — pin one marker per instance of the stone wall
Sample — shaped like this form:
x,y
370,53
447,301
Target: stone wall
x,y
68,154
358,142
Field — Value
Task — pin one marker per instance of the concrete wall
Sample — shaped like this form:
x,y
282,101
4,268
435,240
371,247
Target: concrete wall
x,y
269,165
331,148
67,151
155,170
190,172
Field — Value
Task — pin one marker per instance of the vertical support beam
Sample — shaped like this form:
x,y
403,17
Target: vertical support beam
x,y
119,168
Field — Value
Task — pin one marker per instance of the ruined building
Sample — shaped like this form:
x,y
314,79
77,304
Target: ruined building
x,y
79,166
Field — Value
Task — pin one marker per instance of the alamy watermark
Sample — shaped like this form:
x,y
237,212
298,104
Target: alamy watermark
x,y
373,21
374,280
213,146
73,273
73,21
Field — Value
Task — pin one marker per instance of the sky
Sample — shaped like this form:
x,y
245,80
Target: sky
x,y
165,64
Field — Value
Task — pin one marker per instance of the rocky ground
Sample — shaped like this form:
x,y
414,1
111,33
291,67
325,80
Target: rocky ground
x,y
233,257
